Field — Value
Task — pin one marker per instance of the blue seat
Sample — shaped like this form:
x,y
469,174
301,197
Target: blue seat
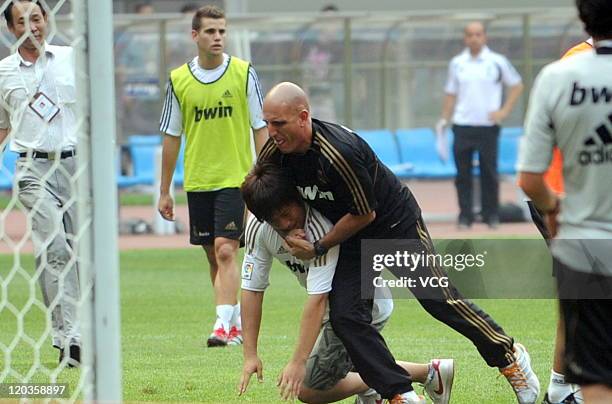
x,y
7,170
384,144
418,147
508,153
512,132
142,150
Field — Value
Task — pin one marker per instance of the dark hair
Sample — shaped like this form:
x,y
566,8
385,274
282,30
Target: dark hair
x,y
330,8
597,17
206,12
189,8
138,7
266,189
8,12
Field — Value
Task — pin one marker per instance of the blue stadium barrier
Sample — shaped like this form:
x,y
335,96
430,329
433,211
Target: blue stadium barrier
x,y
384,144
418,147
142,150
7,171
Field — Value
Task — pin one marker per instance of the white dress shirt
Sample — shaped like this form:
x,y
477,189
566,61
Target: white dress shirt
x,y
477,82
53,74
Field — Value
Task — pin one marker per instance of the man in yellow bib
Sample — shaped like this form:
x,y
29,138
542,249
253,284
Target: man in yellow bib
x,y
214,101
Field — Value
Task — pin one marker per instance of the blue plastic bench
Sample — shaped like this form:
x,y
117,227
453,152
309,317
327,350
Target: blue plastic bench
x,y
142,150
384,144
418,147
508,150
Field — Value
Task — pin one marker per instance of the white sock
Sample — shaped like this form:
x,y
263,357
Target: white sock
x,y
411,395
236,319
558,388
224,316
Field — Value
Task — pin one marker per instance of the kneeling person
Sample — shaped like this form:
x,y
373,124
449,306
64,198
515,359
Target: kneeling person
x,y
320,370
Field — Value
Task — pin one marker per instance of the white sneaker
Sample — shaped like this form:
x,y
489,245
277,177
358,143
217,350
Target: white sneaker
x,y
577,394
440,382
234,337
370,396
521,377
403,399
573,396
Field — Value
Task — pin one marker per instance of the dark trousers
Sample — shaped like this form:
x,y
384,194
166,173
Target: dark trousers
x,y
484,140
586,304
350,316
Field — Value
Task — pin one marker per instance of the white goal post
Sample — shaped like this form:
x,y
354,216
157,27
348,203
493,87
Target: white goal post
x,y
26,329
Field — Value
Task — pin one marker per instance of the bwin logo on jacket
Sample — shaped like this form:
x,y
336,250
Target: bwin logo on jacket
x,y
217,112
312,193
597,149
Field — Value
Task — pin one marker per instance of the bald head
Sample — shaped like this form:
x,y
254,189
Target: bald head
x,y
474,26
287,112
475,36
288,95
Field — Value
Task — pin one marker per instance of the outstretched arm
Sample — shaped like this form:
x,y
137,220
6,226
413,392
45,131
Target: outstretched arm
x,y
292,376
250,311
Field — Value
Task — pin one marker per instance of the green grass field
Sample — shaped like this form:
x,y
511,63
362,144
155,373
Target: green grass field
x,y
125,199
167,311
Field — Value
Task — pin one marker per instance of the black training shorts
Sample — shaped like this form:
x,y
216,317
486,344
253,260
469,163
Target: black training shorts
x,y
588,329
215,214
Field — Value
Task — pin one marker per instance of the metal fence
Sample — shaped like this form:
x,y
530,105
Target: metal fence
x,y
367,70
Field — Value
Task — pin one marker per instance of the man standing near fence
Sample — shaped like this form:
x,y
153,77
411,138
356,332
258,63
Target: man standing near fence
x,y
37,108
473,99
214,100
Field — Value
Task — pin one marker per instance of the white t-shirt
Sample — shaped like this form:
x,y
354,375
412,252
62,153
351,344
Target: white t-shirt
x,y
478,82
262,244
53,74
571,107
171,121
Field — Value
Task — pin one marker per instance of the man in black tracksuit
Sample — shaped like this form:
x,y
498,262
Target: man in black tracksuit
x,y
338,174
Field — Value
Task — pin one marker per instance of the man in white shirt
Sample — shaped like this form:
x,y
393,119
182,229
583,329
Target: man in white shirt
x,y
473,99
320,369
570,107
37,110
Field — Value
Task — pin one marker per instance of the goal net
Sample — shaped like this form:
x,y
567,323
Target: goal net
x,y
59,310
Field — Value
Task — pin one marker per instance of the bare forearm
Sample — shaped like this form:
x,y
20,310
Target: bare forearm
x,y
3,137
170,150
312,318
535,188
261,137
250,312
346,227
513,96
448,106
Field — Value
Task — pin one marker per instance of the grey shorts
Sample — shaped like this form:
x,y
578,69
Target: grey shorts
x,y
329,362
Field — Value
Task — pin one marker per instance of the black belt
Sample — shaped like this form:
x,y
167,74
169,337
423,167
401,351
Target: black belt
x,y
49,156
